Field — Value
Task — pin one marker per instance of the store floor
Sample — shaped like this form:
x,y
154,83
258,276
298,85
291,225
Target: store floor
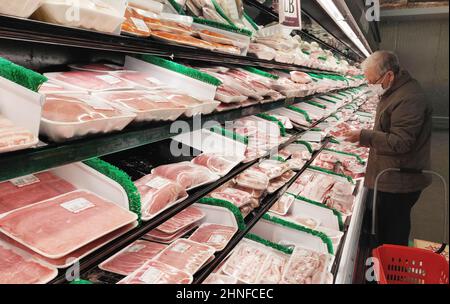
x,y
428,214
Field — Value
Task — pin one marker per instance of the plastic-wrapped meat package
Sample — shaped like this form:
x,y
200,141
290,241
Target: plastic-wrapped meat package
x,y
237,197
16,267
305,267
31,189
218,164
216,278
273,269
296,164
134,24
253,153
193,106
154,272
141,80
132,257
341,198
318,188
240,86
50,87
256,194
253,81
14,138
169,26
278,43
284,154
305,221
252,179
182,39
217,38
187,174
272,168
276,183
89,215
282,205
89,81
301,77
168,238
246,262
147,105
262,51
214,235
285,57
158,194
96,67
227,94
299,185
181,220
186,255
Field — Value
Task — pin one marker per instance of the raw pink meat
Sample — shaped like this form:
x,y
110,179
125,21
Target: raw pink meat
x,y
181,220
318,188
165,238
158,193
253,179
92,81
140,101
279,182
132,257
213,235
12,136
96,67
49,87
141,78
227,94
272,271
180,99
17,269
237,197
53,231
49,185
282,205
73,109
272,168
300,77
186,174
214,163
186,255
154,272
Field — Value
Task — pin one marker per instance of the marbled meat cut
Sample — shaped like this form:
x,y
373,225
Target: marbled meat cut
x,y
181,220
154,272
237,197
56,227
186,255
62,108
158,193
213,235
132,257
17,269
46,186
139,101
186,174
92,81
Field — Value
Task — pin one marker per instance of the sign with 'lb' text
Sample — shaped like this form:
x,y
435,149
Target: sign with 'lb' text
x,y
290,13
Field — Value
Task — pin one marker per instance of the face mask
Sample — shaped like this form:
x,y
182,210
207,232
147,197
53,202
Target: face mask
x,y
378,87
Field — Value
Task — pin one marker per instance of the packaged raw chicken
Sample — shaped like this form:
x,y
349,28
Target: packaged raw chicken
x,y
168,238
89,81
158,194
154,272
17,267
187,174
27,190
67,116
220,165
90,217
147,105
181,220
306,267
214,235
13,138
132,257
281,206
91,14
186,255
273,269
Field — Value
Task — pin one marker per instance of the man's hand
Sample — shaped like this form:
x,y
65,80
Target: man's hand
x,y
353,136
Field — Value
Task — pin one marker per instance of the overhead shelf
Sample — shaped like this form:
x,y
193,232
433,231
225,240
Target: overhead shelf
x,y
45,33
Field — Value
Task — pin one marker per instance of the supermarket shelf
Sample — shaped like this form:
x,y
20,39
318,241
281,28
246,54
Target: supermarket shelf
x,y
13,28
250,221
54,155
89,263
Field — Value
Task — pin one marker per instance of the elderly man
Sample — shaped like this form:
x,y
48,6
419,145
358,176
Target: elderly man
x,y
400,139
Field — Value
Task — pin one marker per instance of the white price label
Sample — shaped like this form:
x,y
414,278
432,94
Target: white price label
x,y
158,183
180,247
135,248
98,105
140,24
25,181
77,205
109,79
151,276
217,239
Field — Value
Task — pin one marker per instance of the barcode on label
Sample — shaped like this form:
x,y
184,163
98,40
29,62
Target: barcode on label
x,y
140,24
25,181
77,205
151,276
109,79
157,183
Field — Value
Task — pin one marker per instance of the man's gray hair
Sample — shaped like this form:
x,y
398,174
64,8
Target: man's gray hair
x,y
382,61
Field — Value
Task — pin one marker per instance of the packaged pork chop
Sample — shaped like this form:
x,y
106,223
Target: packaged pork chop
x,y
155,272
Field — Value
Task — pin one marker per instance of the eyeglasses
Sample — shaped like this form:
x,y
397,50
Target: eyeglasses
x,y
376,82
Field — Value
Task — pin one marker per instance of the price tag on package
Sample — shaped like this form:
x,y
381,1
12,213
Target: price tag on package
x,y
140,24
290,13
77,205
151,276
25,181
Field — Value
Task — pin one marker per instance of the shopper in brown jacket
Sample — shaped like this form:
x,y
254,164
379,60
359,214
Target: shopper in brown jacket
x,y
401,138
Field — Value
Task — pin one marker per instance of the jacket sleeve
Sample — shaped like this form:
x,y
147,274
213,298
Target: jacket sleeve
x,y
407,120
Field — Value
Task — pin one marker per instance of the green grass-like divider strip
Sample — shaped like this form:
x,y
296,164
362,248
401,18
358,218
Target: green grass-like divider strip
x,y
227,205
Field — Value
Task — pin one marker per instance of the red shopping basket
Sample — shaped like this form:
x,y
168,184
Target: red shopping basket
x,y
406,265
